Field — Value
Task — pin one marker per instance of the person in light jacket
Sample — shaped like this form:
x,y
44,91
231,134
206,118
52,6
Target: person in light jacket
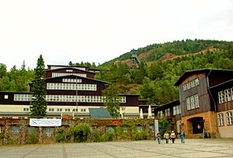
x,y
166,136
173,136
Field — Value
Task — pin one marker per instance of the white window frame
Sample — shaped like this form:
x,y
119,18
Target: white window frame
x,y
229,118
220,119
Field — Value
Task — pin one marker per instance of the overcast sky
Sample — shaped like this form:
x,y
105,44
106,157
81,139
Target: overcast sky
x,y
101,30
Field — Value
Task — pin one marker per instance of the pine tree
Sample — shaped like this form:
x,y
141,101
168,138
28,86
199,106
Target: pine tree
x,y
38,103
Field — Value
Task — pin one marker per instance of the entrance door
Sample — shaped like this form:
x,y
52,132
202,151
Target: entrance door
x,y
198,125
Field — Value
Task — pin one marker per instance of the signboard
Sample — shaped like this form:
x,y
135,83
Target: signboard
x,y
45,122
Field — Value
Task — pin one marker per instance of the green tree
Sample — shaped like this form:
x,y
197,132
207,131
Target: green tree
x,y
112,100
164,125
38,103
2,70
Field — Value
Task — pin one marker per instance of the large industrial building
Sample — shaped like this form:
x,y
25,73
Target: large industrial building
x,y
71,91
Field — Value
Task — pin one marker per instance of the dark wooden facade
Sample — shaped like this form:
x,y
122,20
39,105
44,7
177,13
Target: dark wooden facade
x,y
72,99
198,100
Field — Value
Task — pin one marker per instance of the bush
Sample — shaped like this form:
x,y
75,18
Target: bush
x,y
62,135
33,137
81,132
108,136
140,135
97,137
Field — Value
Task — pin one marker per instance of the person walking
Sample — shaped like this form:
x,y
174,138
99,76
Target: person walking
x,y
166,136
159,137
173,136
182,136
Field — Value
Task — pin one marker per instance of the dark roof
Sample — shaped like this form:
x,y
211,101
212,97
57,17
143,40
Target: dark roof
x,y
173,103
99,113
218,86
49,78
73,68
206,71
66,66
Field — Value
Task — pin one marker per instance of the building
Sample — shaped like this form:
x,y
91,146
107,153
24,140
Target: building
x,y
172,112
205,105
71,91
201,104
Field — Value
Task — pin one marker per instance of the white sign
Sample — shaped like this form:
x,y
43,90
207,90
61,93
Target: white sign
x,y
45,122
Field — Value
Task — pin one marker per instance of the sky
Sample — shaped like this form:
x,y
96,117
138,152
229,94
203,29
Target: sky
x,y
101,30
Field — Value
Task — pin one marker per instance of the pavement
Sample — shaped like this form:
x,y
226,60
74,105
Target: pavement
x,y
192,148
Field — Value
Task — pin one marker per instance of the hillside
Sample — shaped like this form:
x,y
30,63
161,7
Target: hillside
x,y
171,50
161,65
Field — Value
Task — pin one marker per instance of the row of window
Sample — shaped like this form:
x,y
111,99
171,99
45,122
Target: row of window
x,y
58,109
71,80
167,112
228,117
191,84
225,95
192,102
65,74
66,86
66,98
16,129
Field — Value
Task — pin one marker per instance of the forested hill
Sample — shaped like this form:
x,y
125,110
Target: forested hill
x,y
171,50
161,66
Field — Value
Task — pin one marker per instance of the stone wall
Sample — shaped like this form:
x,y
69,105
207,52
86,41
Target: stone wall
x,y
18,131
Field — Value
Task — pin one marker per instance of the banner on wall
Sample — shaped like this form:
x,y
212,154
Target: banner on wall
x,y
45,122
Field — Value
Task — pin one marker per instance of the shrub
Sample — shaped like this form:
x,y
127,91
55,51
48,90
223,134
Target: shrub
x,y
62,135
81,132
97,137
108,136
140,135
33,137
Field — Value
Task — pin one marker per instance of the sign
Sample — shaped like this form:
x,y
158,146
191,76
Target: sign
x,y
45,122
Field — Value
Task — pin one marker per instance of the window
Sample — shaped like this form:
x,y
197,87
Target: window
x,y
220,97
6,96
25,109
227,96
167,112
51,109
110,129
160,114
188,104
139,128
220,120
15,129
229,118
192,102
176,110
191,84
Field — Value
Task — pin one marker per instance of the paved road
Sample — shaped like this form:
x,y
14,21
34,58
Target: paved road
x,y
193,148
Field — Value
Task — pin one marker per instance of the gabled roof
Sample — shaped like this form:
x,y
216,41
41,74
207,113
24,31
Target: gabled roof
x,y
99,113
206,71
73,68
229,82
173,103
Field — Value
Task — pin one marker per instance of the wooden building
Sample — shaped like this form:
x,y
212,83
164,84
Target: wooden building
x,y
172,112
205,102
71,91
